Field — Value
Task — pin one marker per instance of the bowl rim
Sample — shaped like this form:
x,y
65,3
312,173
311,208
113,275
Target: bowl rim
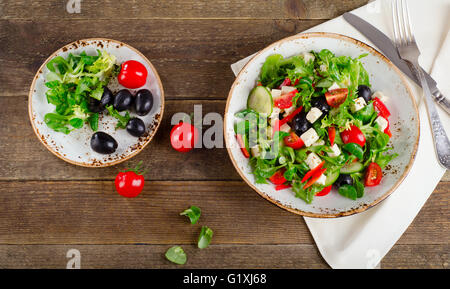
x,y
373,51
95,165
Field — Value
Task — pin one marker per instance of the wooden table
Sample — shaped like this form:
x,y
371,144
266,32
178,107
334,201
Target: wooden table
x,y
48,206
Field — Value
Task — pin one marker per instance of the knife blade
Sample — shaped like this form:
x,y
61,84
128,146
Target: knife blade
x,y
388,48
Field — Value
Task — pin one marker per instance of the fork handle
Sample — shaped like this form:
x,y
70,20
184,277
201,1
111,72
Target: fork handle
x,y
442,101
441,142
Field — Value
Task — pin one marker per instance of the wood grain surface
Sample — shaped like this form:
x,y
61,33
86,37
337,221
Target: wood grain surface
x,y
48,207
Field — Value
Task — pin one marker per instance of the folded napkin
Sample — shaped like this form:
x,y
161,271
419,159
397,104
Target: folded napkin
x,y
362,240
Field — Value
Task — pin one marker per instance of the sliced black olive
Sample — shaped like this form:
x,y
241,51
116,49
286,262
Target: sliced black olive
x,y
343,179
136,127
103,143
143,102
300,123
321,103
364,92
95,105
123,100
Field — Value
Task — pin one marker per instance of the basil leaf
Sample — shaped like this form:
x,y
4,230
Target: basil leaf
x,y
176,255
93,121
359,188
193,213
205,237
348,191
354,149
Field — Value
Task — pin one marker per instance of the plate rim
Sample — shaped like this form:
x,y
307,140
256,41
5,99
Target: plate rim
x,y
94,165
367,47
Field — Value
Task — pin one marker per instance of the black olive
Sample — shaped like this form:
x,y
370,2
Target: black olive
x,y
136,127
103,143
300,123
107,97
143,102
343,179
321,103
364,92
95,105
123,100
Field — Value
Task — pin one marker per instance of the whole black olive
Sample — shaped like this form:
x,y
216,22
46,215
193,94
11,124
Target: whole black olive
x,y
136,127
364,92
321,103
123,100
103,143
143,102
300,123
95,105
343,180
107,97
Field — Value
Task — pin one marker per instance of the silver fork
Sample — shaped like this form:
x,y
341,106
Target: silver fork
x,y
408,51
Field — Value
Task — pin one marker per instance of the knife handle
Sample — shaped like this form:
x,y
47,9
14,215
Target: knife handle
x,y
442,101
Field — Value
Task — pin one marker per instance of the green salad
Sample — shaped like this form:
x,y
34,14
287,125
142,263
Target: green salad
x,y
312,122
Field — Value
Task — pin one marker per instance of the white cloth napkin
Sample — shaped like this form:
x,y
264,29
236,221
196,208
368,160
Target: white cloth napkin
x,y
362,240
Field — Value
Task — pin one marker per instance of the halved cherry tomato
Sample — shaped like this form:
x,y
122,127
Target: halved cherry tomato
x,y
133,74
312,172
284,101
286,82
293,141
183,137
331,134
278,177
353,135
381,108
291,116
314,178
373,175
282,187
336,97
242,146
324,192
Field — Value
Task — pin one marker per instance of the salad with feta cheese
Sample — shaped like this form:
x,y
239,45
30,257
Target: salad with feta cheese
x,y
312,123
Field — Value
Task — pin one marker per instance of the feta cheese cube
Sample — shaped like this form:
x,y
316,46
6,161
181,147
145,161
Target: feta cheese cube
x,y
309,137
319,143
275,113
380,95
290,110
313,161
285,127
336,151
255,151
313,115
321,180
382,122
359,104
334,86
287,89
307,56
276,93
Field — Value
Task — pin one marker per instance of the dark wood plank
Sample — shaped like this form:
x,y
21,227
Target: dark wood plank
x,y
193,57
176,9
417,256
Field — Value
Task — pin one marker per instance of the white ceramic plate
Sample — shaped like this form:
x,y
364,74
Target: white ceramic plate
x,y
384,76
75,148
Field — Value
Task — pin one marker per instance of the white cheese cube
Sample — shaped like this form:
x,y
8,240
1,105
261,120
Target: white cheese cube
x,y
285,127
276,93
290,110
313,161
313,115
287,89
255,151
275,113
307,56
382,122
359,104
309,137
321,180
334,86
380,95
336,151
319,143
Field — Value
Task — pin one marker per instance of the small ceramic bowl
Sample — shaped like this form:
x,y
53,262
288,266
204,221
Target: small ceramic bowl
x,y
384,76
75,147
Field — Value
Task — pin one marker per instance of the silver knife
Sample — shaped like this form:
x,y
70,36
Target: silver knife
x,y
390,51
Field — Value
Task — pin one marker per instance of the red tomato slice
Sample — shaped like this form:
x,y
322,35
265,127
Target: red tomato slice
x,y
291,116
324,192
314,178
293,141
381,108
286,82
282,187
242,146
312,172
284,101
336,97
331,134
373,175
278,177
353,135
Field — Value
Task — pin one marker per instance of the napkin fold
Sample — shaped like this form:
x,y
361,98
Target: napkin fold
x,y
362,240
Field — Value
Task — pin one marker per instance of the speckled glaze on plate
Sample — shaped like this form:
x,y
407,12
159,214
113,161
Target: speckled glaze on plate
x,y
384,76
75,148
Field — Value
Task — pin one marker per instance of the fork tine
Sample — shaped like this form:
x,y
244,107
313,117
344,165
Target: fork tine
x,y
408,23
395,22
401,23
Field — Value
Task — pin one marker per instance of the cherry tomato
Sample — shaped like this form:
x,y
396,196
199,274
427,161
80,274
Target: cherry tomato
x,y
278,177
336,97
130,183
242,146
133,74
331,134
373,175
353,135
284,101
381,108
293,141
183,137
324,192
